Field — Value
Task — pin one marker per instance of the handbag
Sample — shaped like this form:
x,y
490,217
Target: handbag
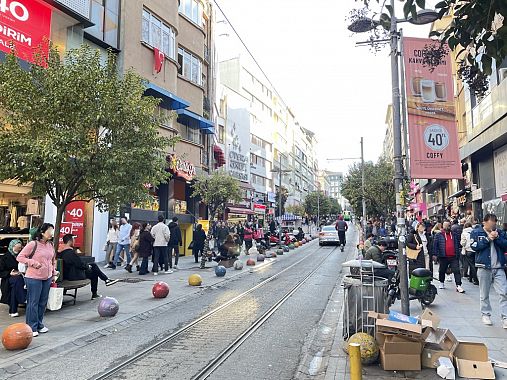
x,y
55,298
23,267
191,245
412,253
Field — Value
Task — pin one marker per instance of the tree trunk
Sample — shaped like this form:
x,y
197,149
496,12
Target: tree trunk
x,y
60,210
209,235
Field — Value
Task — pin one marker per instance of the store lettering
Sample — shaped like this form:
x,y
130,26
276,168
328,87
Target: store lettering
x,y
180,167
238,166
434,155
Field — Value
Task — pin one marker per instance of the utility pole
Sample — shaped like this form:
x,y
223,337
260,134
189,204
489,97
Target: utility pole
x,y
362,187
280,199
398,171
318,207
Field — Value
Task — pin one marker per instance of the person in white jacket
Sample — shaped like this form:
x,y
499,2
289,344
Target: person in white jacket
x,y
161,234
468,255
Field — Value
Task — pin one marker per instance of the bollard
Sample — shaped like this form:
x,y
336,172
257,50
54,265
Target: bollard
x,y
356,372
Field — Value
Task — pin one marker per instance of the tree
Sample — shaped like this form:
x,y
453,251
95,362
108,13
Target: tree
x,y
379,188
77,130
215,190
317,203
335,207
285,195
295,209
478,32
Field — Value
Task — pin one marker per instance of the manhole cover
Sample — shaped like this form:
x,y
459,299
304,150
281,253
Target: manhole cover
x,y
132,280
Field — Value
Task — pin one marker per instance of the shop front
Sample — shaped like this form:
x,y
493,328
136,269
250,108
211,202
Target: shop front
x,y
260,213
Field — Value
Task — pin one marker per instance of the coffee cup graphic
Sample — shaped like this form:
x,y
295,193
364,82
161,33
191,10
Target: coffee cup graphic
x,y
428,94
416,86
441,91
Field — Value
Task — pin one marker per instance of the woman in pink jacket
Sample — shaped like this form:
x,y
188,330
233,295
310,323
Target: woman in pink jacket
x,y
38,256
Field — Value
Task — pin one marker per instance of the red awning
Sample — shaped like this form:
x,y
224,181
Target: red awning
x,y
239,210
219,156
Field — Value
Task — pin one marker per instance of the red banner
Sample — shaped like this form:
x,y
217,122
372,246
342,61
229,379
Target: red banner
x,y
74,222
25,24
431,115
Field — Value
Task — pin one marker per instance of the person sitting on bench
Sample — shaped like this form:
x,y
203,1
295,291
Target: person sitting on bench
x,y
228,250
74,269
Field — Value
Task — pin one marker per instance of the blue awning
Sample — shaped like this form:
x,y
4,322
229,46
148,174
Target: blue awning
x,y
169,100
193,120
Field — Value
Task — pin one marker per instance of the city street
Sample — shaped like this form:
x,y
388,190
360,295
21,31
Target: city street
x,y
81,345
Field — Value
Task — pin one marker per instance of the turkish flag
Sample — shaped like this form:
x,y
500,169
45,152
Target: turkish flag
x,y
159,58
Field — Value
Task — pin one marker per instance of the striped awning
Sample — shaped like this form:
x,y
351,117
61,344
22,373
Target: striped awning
x,y
289,217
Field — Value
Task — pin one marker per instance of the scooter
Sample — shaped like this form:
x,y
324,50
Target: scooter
x,y
420,287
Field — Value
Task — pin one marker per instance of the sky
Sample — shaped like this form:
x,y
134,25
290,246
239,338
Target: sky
x,y
338,90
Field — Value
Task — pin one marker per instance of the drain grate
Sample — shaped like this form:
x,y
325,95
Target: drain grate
x,y
132,280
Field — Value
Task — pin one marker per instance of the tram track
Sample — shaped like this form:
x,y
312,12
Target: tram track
x,y
159,353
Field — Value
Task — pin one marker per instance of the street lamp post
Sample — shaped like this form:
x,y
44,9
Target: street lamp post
x,y
280,172
423,17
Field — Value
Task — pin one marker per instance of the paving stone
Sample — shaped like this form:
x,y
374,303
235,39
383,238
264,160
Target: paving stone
x,y
13,368
27,363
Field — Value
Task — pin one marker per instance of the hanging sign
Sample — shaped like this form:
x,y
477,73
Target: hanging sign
x,y
181,168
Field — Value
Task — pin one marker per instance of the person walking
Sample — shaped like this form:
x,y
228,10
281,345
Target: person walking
x,y
175,242
489,245
342,227
145,249
417,241
74,269
447,251
222,233
161,236
39,257
112,242
437,228
468,254
198,239
12,285
134,245
248,237
123,242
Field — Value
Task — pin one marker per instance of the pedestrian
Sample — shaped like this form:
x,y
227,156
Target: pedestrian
x,y
198,241
241,233
123,242
447,251
368,242
36,223
145,249
222,233
112,241
468,254
161,234
417,241
134,245
489,245
74,269
38,255
12,285
248,236
272,226
174,243
341,226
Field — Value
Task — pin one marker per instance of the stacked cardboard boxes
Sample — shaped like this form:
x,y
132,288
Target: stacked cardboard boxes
x,y
408,344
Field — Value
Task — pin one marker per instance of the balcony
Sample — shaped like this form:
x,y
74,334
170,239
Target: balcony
x,y
78,9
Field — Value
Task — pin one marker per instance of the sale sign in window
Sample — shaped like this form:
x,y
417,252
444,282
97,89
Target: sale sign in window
x,y
25,25
74,222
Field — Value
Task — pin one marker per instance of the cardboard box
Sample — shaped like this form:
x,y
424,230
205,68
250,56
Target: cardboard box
x,y
441,339
472,361
399,317
430,356
398,354
406,330
430,319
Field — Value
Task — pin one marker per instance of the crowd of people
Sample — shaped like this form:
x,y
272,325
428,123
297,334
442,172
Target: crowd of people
x,y
462,247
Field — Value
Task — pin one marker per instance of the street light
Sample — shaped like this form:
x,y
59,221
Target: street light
x,y
362,179
423,17
280,172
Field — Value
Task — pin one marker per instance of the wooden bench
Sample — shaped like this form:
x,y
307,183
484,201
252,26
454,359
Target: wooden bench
x,y
69,285
227,263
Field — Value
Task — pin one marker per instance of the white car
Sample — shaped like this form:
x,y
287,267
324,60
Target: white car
x,y
328,235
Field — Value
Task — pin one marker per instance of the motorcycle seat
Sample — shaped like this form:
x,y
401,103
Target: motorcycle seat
x,y
422,272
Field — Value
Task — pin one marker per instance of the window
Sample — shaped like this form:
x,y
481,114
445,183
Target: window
x,y
190,66
159,35
221,134
258,180
259,161
193,10
191,134
105,17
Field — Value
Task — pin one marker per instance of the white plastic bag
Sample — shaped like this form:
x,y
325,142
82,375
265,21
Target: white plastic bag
x,y
445,369
55,299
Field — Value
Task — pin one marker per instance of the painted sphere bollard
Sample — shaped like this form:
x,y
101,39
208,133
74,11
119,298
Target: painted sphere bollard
x,y
220,271
286,248
292,246
250,262
160,289
108,307
238,265
194,280
260,258
17,336
279,251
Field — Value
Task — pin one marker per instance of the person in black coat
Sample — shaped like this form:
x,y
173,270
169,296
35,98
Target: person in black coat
x,y
12,284
145,248
198,242
74,269
416,240
174,243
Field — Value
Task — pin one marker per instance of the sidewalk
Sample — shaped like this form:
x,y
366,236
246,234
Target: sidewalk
x,y
458,312
75,326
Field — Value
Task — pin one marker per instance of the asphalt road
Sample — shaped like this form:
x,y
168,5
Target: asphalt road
x,y
273,352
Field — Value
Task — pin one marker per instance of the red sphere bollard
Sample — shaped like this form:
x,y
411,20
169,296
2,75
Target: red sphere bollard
x,y
17,336
160,289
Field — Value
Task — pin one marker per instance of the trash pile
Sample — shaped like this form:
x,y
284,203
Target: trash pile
x,y
410,344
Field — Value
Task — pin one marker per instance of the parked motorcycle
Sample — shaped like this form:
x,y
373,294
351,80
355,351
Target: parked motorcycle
x,y
420,287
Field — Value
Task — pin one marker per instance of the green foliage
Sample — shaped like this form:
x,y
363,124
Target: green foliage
x,y
335,207
478,29
216,190
295,209
317,202
76,129
379,188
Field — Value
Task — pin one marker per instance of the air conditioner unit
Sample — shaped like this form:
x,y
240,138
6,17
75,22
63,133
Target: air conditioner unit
x,y
502,73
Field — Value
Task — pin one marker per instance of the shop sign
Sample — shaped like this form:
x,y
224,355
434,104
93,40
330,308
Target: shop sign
x,y
181,168
271,197
74,222
238,143
500,162
461,200
259,209
180,207
25,24
431,115
476,195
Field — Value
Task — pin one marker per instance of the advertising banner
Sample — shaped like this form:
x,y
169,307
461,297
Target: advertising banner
x,y
238,143
25,24
74,222
431,115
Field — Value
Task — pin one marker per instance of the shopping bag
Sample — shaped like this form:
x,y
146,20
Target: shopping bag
x,y
55,299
